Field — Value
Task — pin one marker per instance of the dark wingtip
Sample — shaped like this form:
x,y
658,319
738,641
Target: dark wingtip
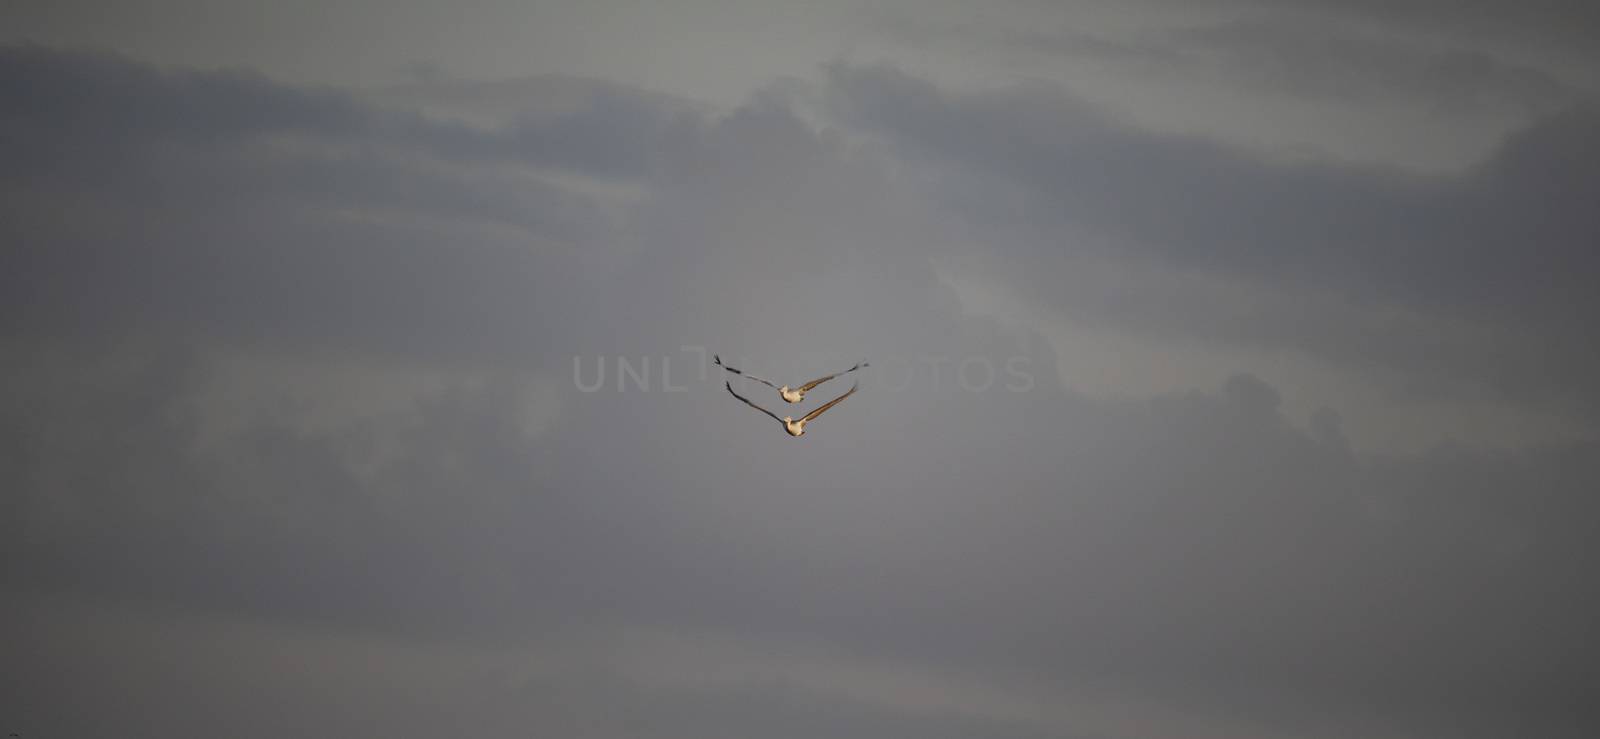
x,y
716,357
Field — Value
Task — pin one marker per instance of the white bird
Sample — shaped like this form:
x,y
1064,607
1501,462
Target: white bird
x,y
789,395
795,428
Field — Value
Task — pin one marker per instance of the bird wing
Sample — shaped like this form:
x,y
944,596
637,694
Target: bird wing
x,y
753,405
807,387
829,404
741,373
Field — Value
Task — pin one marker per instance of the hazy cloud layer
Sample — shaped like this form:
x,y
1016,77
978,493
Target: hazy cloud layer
x,y
289,395
1485,271
1295,56
1539,22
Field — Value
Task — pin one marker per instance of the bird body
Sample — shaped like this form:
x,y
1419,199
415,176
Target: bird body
x,y
789,394
790,424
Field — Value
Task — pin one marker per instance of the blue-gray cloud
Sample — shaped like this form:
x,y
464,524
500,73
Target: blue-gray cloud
x,y
1194,549
1504,246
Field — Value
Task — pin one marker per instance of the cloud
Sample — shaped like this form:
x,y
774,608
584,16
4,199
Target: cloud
x,y
318,219
1565,22
1311,60
320,386
1498,250
1196,550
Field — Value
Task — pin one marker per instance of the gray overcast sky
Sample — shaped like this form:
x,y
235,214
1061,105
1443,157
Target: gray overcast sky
x,y
1232,373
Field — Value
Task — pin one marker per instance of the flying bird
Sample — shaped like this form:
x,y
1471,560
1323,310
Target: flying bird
x,y
789,395
795,428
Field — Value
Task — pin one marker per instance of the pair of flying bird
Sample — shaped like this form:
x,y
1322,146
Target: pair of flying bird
x,y
792,395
